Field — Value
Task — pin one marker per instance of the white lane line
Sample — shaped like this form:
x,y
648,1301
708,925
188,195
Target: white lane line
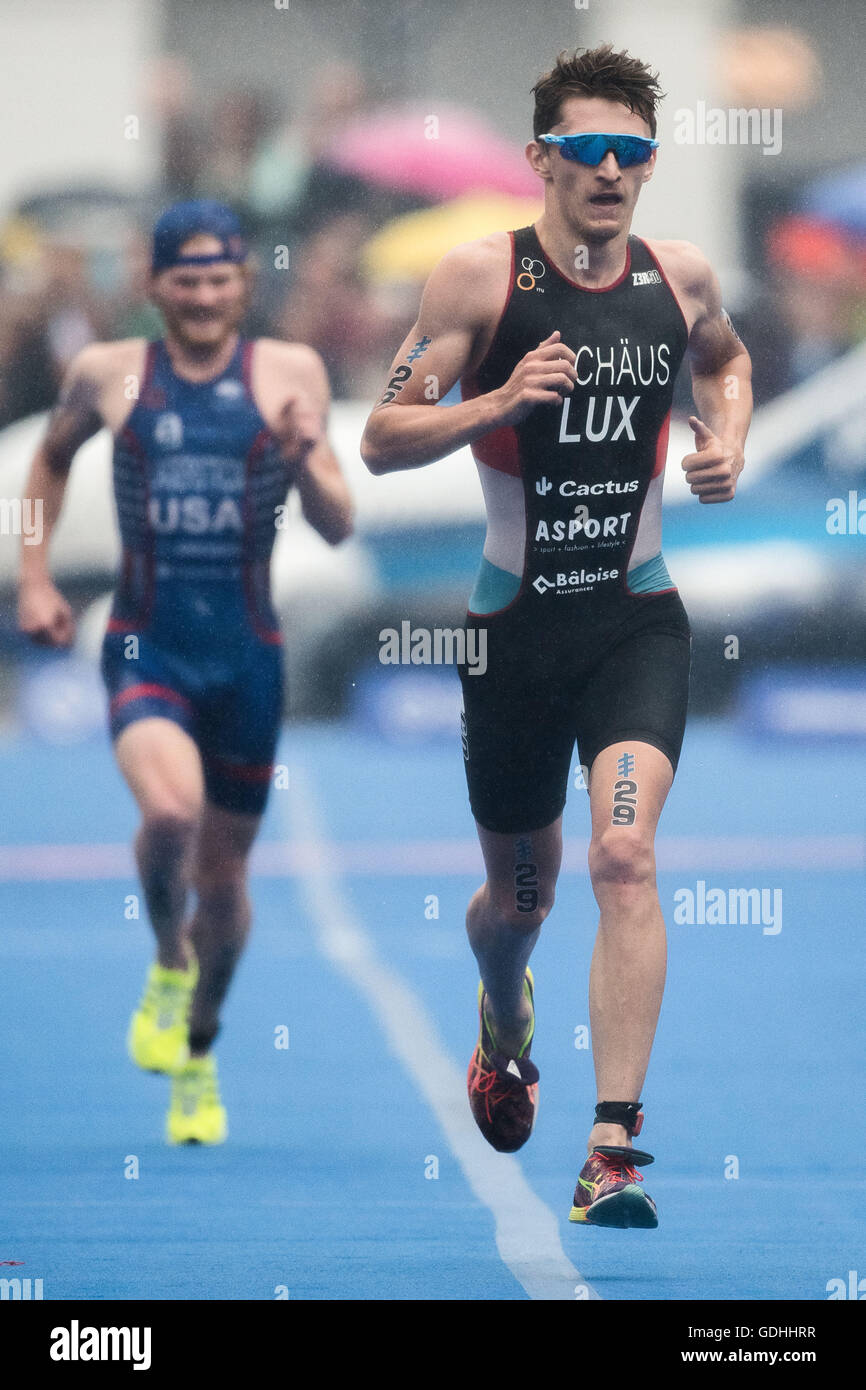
x,y
527,1233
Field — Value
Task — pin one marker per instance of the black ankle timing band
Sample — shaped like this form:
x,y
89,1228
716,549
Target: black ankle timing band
x,y
620,1112
202,1041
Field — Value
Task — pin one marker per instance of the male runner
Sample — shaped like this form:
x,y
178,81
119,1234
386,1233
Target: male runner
x,y
566,337
210,431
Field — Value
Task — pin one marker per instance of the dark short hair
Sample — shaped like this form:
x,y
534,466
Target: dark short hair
x,y
596,72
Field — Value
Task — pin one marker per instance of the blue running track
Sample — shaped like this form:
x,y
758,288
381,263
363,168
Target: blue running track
x,y
352,1170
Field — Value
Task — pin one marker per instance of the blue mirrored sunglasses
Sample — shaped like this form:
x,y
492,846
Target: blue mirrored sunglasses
x,y
590,148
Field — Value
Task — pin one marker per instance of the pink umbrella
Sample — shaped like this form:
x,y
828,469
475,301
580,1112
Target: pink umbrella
x,y
440,154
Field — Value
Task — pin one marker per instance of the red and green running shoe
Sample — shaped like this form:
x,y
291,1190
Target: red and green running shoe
x,y
503,1091
608,1191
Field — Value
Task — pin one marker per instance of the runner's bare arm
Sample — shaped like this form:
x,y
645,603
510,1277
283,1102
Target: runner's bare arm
x,y
301,427
721,367
325,498
461,299
43,613
721,384
722,391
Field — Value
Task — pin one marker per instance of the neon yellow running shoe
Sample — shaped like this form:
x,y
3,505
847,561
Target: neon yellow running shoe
x,y
196,1115
157,1039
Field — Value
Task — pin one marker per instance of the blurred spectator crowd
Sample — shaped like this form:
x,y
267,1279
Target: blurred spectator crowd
x,y
346,221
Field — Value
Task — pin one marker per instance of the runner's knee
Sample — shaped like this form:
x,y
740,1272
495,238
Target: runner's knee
x,y
222,889
168,823
621,857
521,906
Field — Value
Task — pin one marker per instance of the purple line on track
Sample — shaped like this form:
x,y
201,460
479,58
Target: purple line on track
x,y
275,859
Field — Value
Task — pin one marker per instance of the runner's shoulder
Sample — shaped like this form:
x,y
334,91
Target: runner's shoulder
x,y
684,264
279,367
105,363
472,278
486,257
277,352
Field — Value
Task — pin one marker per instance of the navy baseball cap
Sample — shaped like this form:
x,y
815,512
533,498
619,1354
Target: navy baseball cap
x,y
184,220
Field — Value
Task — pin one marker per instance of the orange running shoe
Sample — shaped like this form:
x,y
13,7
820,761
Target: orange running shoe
x,y
503,1091
608,1191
